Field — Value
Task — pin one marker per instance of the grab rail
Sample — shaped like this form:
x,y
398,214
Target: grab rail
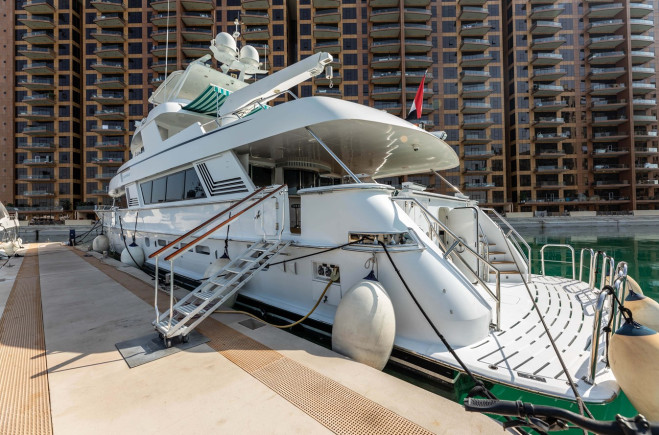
x,y
611,262
556,245
447,252
591,268
515,241
595,337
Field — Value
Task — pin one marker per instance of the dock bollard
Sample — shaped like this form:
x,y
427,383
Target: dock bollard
x,y
36,232
72,237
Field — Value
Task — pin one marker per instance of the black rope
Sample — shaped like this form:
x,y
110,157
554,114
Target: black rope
x,y
625,312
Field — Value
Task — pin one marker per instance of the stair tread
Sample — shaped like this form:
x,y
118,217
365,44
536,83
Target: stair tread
x,y
506,272
502,262
496,252
188,308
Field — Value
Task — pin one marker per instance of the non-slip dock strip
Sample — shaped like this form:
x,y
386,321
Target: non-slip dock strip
x,y
24,394
335,406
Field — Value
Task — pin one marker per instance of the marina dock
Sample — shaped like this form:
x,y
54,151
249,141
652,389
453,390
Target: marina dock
x,y
64,310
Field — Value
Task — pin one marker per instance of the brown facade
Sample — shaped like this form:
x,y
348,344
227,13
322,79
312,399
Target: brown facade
x,y
550,106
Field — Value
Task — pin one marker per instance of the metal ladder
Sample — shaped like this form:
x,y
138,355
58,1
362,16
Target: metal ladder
x,y
218,288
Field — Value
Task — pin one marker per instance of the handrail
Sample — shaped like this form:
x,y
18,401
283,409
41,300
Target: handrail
x,y
595,338
198,227
592,260
556,245
426,213
611,268
512,230
204,236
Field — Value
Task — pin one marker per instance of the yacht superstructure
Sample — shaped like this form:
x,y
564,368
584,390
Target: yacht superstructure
x,y
281,208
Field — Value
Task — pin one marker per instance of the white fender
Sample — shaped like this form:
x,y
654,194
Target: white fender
x,y
101,243
644,310
9,248
633,356
365,325
137,254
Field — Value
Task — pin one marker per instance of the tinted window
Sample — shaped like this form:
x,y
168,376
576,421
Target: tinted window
x,y
159,189
146,192
193,187
175,185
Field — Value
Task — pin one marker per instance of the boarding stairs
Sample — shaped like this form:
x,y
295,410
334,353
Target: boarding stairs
x,y
184,315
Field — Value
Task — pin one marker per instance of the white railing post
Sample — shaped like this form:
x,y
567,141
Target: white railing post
x,y
171,293
155,294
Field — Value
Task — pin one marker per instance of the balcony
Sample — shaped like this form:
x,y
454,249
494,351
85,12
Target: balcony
x,y
385,62
108,161
472,13
546,12
110,52
641,41
609,152
610,183
640,10
104,175
190,34
609,168
472,2
645,151
391,15
641,57
38,22
417,46
548,74
333,47
195,19
643,88
546,59
108,36
646,167
551,137
606,58
108,130
107,6
196,50
37,193
259,5
255,18
475,138
476,91
386,78
477,154
416,15
39,38
551,169
644,104
386,46
474,29
600,89
324,81
37,84
39,130
550,43
110,21
545,28
640,26
475,60
383,3
109,67
412,61
552,153
326,32
328,16
609,10
478,186
476,122
607,105
476,170
547,90
39,99
475,76
108,98
392,107
640,73
544,121
645,134
550,185
417,30
475,107
604,121
164,20
549,106
329,92
42,178
111,145
37,114
39,161
471,44
39,7
110,83
604,27
644,119
606,73
161,65
111,115
203,5
168,51
37,53
386,93
605,42
414,77
42,147
100,192
608,136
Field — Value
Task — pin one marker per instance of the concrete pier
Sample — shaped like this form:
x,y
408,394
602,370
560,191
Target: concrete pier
x,y
243,380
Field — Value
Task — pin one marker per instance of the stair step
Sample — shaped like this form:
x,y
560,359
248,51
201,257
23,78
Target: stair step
x,y
248,260
206,295
496,253
502,262
506,272
162,325
188,309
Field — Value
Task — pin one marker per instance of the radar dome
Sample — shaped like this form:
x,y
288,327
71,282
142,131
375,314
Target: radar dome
x,y
225,43
249,56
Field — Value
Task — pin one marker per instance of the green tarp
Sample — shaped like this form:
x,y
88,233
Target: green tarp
x,y
209,101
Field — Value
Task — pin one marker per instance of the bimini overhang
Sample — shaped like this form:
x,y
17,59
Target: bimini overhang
x,y
368,141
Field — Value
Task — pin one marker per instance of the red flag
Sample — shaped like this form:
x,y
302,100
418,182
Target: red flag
x,y
417,105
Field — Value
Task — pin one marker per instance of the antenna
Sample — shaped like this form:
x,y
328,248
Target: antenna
x,y
166,52
236,33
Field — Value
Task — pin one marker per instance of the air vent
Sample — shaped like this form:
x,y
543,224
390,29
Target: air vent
x,y
227,186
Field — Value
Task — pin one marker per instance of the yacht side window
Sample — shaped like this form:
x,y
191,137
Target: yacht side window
x,y
178,186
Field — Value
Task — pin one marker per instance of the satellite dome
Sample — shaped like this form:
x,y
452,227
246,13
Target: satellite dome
x,y
249,56
225,43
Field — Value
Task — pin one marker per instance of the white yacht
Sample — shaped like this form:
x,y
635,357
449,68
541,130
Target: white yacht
x,y
278,210
10,243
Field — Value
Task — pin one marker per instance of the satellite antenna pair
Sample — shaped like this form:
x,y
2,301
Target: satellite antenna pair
x,y
246,60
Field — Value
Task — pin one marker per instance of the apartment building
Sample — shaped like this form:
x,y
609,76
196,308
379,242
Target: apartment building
x,y
550,106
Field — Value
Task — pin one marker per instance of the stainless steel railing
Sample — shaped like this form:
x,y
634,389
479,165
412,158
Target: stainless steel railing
x,y
556,245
